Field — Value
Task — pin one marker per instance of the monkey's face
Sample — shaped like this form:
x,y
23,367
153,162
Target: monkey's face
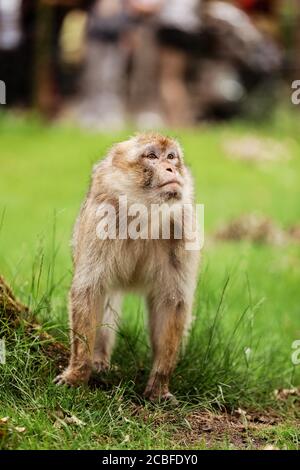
x,y
154,167
162,171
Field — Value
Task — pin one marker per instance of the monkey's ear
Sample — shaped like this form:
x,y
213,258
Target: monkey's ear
x,y
124,151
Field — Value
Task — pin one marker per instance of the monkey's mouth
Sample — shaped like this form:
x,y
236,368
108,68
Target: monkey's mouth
x,y
172,189
167,183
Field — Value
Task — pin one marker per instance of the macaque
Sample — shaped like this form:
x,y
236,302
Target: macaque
x,y
147,169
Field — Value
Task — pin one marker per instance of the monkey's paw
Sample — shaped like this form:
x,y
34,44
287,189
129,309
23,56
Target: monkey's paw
x,y
71,378
167,398
100,366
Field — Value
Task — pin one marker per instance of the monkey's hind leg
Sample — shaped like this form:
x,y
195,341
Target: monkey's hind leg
x,y
85,303
167,323
106,332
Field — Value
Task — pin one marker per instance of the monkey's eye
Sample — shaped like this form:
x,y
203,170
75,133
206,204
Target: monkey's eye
x,y
151,155
171,156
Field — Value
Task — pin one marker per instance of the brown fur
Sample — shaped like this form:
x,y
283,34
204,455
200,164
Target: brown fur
x,y
161,270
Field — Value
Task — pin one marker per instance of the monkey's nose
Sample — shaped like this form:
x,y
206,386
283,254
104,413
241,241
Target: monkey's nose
x,y
169,169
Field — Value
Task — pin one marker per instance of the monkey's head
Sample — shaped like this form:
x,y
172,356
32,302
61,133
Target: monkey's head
x,y
150,168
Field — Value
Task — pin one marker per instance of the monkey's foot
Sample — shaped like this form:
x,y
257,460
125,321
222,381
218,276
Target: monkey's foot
x,y
100,365
72,378
157,397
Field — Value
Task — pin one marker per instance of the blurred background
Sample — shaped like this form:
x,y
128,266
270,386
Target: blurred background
x,y
106,63
80,75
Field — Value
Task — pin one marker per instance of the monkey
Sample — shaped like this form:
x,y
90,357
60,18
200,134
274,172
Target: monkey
x,y
148,169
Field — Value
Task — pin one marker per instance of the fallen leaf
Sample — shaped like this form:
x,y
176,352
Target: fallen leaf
x,y
264,419
4,420
285,393
20,428
73,420
58,423
241,412
206,428
59,413
127,439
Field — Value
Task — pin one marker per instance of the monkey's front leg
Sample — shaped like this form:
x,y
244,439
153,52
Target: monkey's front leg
x,y
85,303
167,323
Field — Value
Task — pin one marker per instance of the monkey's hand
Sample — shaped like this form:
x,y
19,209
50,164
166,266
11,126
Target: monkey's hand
x,y
73,377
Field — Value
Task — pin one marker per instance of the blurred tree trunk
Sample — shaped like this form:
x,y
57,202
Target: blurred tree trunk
x,y
297,39
43,80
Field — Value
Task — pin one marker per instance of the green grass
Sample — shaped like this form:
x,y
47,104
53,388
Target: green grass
x,y
248,295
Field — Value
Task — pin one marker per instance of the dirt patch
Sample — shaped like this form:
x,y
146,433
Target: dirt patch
x,y
13,313
49,346
255,149
294,233
255,228
11,309
238,429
